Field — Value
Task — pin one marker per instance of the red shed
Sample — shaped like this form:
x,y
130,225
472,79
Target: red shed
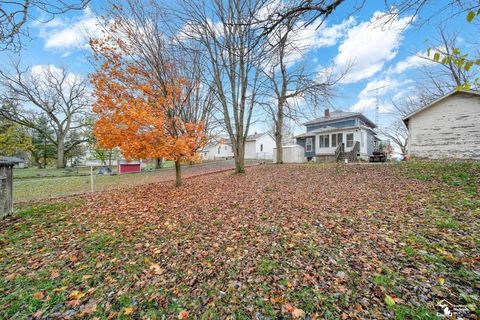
x,y
129,167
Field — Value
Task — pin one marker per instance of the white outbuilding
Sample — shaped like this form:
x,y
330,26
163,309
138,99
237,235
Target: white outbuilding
x,y
291,154
448,127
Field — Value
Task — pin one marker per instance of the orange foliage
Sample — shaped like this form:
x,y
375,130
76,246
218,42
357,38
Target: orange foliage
x,y
136,115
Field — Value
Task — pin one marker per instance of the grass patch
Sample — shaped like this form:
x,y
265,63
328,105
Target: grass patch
x,y
448,223
282,243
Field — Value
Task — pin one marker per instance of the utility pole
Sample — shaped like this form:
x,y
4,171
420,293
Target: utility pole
x,y
377,106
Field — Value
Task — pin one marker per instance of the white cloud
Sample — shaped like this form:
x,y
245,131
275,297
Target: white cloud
x,y
369,45
378,90
411,62
309,38
40,69
70,34
48,75
326,36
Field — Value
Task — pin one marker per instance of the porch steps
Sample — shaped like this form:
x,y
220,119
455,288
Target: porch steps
x,y
347,155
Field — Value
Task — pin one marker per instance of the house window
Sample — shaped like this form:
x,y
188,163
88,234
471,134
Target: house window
x,y
349,140
337,138
261,148
219,149
308,145
225,147
323,141
362,139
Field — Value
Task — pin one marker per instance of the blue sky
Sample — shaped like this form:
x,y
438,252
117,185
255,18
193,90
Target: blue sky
x,y
381,56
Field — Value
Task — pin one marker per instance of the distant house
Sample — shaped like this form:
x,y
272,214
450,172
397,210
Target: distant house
x,y
217,148
449,127
259,146
18,162
337,136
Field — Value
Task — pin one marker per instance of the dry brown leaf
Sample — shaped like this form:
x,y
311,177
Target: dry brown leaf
x,y
127,311
183,315
38,295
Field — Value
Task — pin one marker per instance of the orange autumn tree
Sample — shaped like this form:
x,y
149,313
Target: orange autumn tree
x,y
139,114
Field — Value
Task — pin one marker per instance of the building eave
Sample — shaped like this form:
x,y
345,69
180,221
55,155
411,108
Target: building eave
x,y
407,117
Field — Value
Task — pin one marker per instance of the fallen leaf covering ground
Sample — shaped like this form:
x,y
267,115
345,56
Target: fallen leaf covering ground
x,y
289,241
30,189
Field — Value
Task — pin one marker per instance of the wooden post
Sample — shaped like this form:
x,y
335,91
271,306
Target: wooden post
x,y
6,189
91,179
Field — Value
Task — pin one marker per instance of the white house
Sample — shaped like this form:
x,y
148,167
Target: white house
x,y
337,136
259,146
217,149
449,127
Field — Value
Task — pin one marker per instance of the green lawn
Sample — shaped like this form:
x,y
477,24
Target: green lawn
x,y
34,189
57,184
291,241
29,173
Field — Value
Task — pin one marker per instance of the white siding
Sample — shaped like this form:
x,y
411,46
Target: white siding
x,y
254,150
250,150
212,152
268,144
291,154
331,149
448,129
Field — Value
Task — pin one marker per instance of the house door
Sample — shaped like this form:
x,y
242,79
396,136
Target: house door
x,y
349,143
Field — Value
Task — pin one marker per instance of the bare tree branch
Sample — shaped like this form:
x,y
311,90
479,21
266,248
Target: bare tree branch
x,y
59,96
14,15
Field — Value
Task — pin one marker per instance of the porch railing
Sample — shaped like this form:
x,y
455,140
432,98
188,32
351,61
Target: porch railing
x,y
339,150
356,149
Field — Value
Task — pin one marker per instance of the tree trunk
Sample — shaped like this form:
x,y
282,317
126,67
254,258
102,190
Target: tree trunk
x,y
44,152
178,173
240,158
158,163
279,123
278,144
61,154
110,157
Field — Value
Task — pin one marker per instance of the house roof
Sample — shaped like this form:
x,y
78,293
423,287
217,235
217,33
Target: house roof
x,y
214,141
331,129
11,159
476,93
255,136
340,115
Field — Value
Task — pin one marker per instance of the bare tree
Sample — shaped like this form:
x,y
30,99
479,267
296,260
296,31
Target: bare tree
x,y
311,11
447,74
142,31
228,34
397,132
316,11
435,79
422,11
14,15
54,93
289,83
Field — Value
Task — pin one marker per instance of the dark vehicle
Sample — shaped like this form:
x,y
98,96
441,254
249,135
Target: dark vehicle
x,y
378,156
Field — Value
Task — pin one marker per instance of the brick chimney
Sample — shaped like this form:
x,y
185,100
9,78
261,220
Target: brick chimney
x,y
327,112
